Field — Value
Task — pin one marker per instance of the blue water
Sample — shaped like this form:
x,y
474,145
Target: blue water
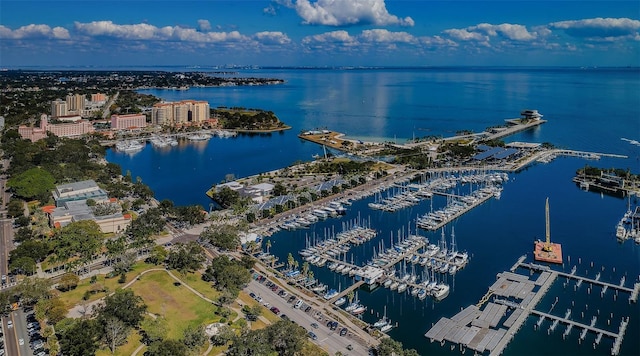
x,y
587,110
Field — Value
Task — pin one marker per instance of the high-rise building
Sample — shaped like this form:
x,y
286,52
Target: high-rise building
x,y
162,114
75,103
59,108
183,112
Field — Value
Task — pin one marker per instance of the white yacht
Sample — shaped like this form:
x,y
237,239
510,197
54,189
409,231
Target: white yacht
x,y
440,292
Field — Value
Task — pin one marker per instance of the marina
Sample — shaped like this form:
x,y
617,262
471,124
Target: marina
x,y
456,207
480,329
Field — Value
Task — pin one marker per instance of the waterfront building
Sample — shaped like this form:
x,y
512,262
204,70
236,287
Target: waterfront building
x,y
122,122
67,129
180,113
58,108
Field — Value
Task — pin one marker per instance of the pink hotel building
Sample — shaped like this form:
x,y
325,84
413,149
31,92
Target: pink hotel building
x,y
71,129
123,122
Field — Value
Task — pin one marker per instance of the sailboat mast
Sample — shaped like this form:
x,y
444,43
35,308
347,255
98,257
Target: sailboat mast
x,y
548,230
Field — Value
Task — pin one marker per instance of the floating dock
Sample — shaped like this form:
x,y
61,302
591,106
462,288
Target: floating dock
x,y
492,328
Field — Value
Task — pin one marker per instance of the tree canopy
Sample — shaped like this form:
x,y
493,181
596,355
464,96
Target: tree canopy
x,y
228,274
35,183
186,257
224,237
281,338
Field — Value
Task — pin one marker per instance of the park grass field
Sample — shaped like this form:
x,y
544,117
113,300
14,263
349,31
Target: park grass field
x,y
174,302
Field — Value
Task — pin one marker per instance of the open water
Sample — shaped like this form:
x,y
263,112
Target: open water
x,y
586,109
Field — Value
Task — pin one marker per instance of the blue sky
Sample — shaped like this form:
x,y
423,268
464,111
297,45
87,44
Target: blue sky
x,y
319,33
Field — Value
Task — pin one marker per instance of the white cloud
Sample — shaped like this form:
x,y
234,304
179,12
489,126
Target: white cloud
x,y
34,31
346,12
329,37
510,31
464,35
204,25
382,35
272,38
599,27
149,32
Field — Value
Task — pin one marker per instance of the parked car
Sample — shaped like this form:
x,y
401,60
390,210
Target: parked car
x,y
275,310
313,336
344,331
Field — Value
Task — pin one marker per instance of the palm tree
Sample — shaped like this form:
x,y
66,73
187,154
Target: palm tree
x,y
290,260
310,276
268,246
305,268
350,296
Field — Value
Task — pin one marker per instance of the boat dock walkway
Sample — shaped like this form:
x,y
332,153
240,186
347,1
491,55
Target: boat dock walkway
x,y
481,330
343,293
481,199
515,127
633,297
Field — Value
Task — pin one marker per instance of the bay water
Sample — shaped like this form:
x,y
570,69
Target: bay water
x,y
587,109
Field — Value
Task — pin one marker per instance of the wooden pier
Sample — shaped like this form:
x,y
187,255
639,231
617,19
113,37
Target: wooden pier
x,y
482,330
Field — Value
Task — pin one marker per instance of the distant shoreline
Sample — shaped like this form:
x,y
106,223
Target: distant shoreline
x,y
249,131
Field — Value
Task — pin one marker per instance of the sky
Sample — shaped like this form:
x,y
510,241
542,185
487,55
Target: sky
x,y
104,33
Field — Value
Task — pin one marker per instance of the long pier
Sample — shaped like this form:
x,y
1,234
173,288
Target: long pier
x,y
575,323
633,297
481,199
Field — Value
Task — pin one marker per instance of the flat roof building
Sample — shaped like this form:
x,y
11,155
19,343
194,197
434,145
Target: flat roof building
x,y
122,122
87,189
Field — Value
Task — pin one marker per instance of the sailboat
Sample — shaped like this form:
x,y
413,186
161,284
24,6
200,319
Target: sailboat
x,y
382,322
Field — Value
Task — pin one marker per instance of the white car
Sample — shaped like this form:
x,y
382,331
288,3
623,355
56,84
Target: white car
x,y
21,342
10,324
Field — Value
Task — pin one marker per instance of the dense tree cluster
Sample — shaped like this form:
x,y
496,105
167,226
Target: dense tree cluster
x,y
282,338
186,257
247,119
390,347
225,196
224,237
227,274
343,167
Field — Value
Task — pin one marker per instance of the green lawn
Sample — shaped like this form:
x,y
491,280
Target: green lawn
x,y
74,296
175,303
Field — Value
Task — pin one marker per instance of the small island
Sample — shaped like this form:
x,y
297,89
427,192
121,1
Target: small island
x,y
245,120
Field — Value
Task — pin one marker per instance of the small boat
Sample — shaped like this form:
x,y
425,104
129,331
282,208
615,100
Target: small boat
x,y
440,292
340,301
199,137
359,310
387,327
382,322
330,294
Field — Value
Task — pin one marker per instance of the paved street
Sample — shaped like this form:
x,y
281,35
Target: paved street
x,y
329,340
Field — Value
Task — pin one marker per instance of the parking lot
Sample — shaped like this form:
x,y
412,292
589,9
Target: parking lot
x,y
323,331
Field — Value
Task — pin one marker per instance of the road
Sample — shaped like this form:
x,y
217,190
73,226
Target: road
x,y
329,340
106,112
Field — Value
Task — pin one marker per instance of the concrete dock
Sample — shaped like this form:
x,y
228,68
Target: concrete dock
x,y
492,328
